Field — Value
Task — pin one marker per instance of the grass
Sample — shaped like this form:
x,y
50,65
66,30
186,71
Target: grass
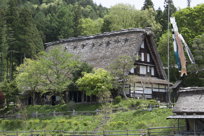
x,y
130,119
77,123
60,108
140,119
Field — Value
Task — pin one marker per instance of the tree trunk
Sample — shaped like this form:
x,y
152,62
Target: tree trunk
x,y
62,99
123,91
82,96
34,102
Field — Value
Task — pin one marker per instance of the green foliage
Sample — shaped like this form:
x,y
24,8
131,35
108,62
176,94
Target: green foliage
x,y
10,91
162,49
78,123
135,103
196,76
57,66
128,120
98,83
117,99
45,109
50,72
188,28
148,4
91,27
120,69
26,24
139,120
162,16
30,78
198,50
126,16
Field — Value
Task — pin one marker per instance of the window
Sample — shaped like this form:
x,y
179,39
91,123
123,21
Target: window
x,y
148,57
142,56
152,71
142,46
132,71
143,70
148,69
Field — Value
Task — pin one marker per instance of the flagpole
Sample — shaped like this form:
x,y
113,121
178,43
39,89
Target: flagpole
x,y
168,54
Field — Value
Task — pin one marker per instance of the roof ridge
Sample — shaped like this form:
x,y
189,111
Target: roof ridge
x,y
71,39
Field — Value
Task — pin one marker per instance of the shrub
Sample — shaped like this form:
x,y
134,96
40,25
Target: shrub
x,y
117,99
71,105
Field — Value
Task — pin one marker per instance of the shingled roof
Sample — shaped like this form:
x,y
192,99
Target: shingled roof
x,y
148,80
190,101
100,50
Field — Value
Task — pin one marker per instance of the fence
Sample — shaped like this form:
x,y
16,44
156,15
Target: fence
x,y
67,113
50,114
158,131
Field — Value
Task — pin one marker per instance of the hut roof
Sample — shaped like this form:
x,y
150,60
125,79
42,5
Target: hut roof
x,y
186,117
102,49
105,34
190,100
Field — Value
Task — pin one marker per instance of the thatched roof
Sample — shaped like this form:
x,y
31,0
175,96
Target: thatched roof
x,y
190,100
100,50
186,117
148,80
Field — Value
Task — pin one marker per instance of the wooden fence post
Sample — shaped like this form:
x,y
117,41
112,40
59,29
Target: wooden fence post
x,y
36,114
127,132
54,114
104,133
148,132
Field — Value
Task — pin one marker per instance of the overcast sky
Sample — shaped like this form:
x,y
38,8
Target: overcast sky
x,y
139,3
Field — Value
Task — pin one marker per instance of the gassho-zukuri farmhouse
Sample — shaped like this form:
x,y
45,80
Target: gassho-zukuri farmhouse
x,y
147,78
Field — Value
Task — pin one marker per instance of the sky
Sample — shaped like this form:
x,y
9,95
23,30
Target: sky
x,y
139,3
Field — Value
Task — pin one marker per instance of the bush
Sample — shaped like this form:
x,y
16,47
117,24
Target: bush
x,y
71,105
117,99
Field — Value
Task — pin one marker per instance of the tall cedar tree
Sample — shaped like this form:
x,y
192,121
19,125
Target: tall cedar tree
x,y
148,4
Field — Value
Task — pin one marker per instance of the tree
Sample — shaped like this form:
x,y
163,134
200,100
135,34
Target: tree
x,y
106,27
162,17
50,73
91,27
98,83
30,78
3,43
120,69
65,24
188,28
58,67
77,17
123,16
198,51
148,4
162,49
29,41
10,91
196,74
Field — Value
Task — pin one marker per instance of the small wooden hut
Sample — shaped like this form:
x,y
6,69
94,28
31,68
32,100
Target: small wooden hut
x,y
190,107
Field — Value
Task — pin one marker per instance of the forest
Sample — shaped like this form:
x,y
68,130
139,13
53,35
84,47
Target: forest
x,y
25,25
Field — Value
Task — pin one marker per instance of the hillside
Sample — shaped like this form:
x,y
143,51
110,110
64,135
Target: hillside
x,y
131,115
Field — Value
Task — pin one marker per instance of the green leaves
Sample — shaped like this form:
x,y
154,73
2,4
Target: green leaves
x,y
50,72
91,27
188,28
98,83
123,16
